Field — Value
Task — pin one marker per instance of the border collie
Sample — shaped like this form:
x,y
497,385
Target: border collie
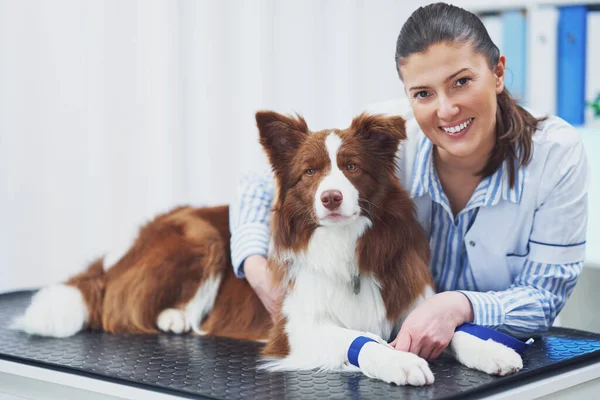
x,y
346,245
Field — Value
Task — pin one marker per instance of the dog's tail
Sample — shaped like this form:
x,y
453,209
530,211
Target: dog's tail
x,y
64,309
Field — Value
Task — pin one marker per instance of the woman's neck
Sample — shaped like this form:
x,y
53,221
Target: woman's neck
x,y
459,177
472,165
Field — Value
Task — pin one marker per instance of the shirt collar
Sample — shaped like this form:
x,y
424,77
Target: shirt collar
x,y
490,191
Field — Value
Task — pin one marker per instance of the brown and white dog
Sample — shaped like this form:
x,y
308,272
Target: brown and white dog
x,y
346,245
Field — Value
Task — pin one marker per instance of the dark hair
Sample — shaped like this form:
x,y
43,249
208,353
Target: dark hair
x,y
444,23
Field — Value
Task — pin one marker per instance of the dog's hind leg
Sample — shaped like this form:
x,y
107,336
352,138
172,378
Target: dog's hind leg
x,y
169,278
189,315
205,239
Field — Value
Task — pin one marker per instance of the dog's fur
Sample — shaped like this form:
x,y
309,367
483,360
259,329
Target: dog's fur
x,y
340,217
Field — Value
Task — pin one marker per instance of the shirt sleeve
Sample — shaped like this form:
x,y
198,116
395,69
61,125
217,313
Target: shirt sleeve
x,y
556,251
560,220
249,219
532,303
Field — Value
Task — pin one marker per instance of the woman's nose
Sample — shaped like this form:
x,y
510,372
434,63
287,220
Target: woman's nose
x,y
447,109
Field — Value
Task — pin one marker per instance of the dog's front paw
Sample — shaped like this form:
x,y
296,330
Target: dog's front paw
x,y
500,360
393,366
173,320
487,356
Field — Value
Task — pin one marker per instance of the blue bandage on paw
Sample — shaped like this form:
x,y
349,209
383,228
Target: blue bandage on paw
x,y
485,333
355,348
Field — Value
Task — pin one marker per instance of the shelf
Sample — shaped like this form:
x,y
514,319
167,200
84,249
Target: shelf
x,y
479,6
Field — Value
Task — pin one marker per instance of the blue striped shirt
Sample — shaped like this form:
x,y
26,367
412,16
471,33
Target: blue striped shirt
x,y
250,217
530,304
536,296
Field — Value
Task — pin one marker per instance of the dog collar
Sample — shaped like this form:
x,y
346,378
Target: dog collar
x,y
356,284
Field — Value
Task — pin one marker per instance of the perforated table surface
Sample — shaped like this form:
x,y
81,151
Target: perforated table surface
x,y
198,367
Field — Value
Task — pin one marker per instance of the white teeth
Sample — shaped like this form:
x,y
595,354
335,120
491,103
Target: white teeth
x,y
458,128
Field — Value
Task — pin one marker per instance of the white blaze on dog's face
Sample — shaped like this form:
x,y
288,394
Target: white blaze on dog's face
x,y
336,198
329,177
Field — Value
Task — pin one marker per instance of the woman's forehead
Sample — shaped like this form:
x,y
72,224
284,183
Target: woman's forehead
x,y
438,62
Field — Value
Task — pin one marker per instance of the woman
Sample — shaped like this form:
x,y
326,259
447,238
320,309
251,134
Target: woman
x,y
501,192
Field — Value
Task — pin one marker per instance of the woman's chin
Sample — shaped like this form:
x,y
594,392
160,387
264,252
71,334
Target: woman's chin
x,y
462,149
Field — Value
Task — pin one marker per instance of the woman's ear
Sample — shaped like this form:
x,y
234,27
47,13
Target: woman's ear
x,y
499,74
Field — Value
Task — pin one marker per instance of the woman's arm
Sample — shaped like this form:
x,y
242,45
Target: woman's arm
x,y
532,302
249,218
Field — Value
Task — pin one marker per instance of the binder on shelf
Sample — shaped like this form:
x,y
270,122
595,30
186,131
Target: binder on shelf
x,y
571,68
542,59
514,40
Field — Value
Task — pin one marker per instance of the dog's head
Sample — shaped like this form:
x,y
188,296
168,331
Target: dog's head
x,y
329,177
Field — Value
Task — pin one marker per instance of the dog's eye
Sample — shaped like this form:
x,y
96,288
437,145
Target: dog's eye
x,y
351,167
310,172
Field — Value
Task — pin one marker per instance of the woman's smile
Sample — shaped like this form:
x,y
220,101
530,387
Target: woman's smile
x,y
457,130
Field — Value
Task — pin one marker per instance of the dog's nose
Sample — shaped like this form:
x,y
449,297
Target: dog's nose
x,y
332,199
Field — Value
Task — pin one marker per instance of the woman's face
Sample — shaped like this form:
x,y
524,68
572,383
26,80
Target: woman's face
x,y
453,95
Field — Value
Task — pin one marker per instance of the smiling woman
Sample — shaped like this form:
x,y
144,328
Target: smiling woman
x,y
500,191
438,82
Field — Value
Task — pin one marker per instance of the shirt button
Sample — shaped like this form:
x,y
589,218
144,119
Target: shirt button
x,y
472,243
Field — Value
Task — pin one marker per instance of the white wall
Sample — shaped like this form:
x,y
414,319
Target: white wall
x,y
90,129
114,110
111,111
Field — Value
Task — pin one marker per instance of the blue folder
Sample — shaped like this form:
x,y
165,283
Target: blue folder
x,y
572,31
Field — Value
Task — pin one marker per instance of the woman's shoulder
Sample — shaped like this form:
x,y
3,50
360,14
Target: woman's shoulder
x,y
555,132
558,160
557,146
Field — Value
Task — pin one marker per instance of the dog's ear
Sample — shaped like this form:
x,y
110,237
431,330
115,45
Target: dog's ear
x,y
280,136
382,133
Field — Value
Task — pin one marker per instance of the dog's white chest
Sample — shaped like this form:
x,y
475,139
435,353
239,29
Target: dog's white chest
x,y
318,299
323,289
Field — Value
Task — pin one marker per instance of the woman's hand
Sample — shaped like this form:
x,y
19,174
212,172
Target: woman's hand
x,y
261,280
429,328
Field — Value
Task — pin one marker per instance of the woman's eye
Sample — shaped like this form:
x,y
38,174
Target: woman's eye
x,y
351,167
462,81
421,95
310,172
